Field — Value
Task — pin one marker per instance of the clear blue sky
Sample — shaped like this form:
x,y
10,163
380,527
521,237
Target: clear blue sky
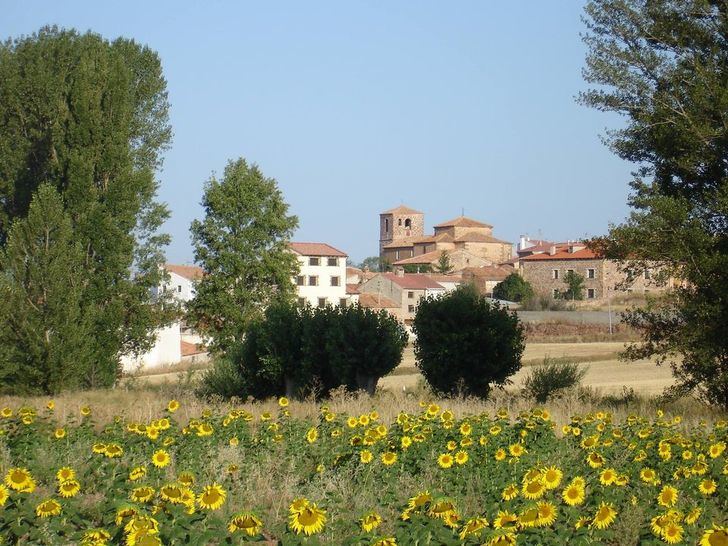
x,y
356,107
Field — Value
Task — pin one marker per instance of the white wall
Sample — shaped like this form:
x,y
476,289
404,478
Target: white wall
x,y
166,350
182,289
324,272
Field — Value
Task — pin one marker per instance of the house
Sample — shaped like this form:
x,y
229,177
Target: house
x,y
546,270
322,275
181,282
486,278
403,290
468,242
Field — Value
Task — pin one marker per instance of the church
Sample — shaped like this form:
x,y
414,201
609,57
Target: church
x,y
468,242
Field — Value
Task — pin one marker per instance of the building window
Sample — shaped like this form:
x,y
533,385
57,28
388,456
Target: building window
x,y
334,281
313,280
179,288
342,302
410,295
647,274
569,271
386,225
555,293
301,280
411,308
396,254
555,274
322,302
313,261
408,223
399,222
591,274
591,293
332,262
301,301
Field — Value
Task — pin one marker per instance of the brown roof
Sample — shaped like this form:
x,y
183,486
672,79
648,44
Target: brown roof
x,y
375,301
352,288
475,237
583,254
189,272
189,349
426,258
402,209
543,247
413,281
316,249
445,278
489,272
353,270
462,221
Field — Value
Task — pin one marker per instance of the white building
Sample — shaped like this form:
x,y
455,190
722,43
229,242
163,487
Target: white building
x,y
167,351
321,277
181,281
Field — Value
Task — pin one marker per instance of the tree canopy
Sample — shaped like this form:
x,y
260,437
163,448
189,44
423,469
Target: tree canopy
x,y
89,117
242,246
663,65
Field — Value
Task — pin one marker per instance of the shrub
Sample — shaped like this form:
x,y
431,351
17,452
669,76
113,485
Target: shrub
x,y
554,375
465,343
222,379
513,288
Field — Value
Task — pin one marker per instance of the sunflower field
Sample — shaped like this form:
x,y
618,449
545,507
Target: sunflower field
x,y
426,477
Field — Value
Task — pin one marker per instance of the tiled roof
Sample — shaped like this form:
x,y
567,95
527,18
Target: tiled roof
x,y
489,272
462,221
189,272
375,301
583,254
316,249
413,281
475,237
404,242
445,278
426,258
402,209
189,349
352,288
543,247
353,270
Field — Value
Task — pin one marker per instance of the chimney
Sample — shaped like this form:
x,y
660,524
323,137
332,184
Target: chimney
x,y
399,271
552,250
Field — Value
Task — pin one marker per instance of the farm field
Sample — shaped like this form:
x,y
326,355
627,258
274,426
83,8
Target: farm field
x,y
127,468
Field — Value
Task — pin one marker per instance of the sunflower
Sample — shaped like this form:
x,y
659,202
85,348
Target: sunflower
x,y
441,508
420,500
172,493
137,473
65,473
85,411
391,541
99,448
366,456
500,454
142,494
69,488
505,519
309,520
707,487
528,517
47,508
608,476
445,460
716,450
516,450
672,533
466,429
552,477
667,496
370,521
605,516
143,537
19,479
246,522
212,497
141,524
4,495
504,537
161,458
298,504
573,495
648,475
510,492
6,413
59,433
473,527
595,460
461,457
546,514
95,537
283,402
113,450
533,490
389,458
717,536
312,435
692,516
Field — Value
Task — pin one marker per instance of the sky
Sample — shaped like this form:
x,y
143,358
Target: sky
x,y
357,107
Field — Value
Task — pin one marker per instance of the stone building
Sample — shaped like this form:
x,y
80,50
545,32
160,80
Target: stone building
x,y
486,278
545,271
404,289
468,242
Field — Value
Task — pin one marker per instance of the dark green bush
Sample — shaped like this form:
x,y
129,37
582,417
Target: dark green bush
x,y
513,288
548,379
297,350
465,343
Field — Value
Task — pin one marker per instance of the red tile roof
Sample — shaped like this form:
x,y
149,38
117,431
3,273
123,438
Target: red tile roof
x,y
375,301
402,209
462,221
316,249
413,281
583,254
189,272
189,349
445,278
426,258
352,288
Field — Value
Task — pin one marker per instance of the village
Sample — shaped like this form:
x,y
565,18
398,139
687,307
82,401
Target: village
x,y
410,271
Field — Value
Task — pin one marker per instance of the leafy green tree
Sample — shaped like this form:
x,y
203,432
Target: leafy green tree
x,y
663,65
45,330
372,263
465,344
242,245
574,286
90,118
513,288
444,266
417,268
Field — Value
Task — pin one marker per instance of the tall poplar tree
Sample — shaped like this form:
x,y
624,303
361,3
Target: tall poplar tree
x,y
663,65
90,118
242,246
